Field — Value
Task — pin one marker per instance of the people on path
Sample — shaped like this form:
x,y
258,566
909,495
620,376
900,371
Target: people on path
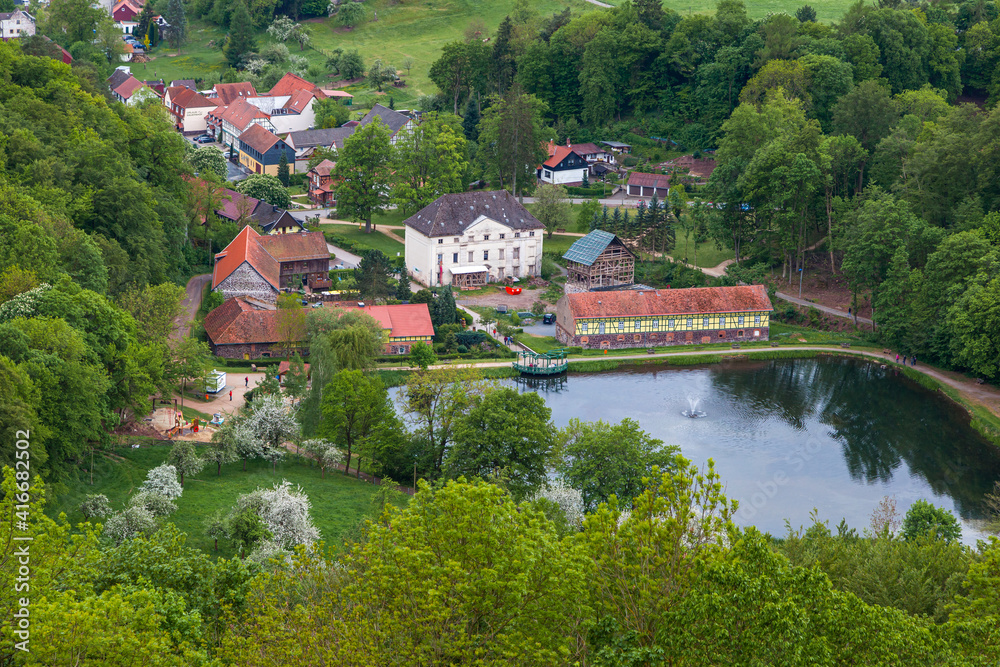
x,y
246,381
913,361
230,394
897,357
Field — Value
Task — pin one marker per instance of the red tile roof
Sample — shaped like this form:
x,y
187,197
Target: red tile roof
x,y
324,168
299,101
689,301
295,247
290,83
227,92
560,155
286,366
587,149
128,87
638,178
236,322
241,113
186,98
259,138
245,248
411,320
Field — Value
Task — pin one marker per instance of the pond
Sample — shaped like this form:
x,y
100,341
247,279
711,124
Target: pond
x,y
788,436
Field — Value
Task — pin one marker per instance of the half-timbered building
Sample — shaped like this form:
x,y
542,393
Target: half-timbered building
x,y
599,260
258,266
650,318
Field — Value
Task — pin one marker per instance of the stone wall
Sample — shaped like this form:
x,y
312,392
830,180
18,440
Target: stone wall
x,y
253,351
245,281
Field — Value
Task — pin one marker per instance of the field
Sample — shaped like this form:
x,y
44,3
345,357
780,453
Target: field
x,y
709,254
826,10
338,502
376,240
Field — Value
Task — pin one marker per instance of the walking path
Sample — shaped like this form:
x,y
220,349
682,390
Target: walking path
x,y
190,305
826,309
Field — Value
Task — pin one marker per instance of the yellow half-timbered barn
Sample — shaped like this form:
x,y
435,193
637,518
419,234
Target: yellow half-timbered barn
x,y
649,318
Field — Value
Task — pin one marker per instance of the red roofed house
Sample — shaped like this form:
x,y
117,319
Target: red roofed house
x,y
244,328
650,318
261,151
564,166
321,189
646,185
288,113
291,83
188,108
226,93
229,122
258,266
126,10
133,92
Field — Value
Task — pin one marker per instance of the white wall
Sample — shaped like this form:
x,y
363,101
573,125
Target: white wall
x,y
195,119
564,176
422,252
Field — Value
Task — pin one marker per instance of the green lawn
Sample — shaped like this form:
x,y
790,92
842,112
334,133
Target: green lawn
x,y
826,10
558,244
338,502
195,60
376,240
708,254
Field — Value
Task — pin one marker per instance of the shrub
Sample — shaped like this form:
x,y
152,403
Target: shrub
x,y
95,506
515,320
463,349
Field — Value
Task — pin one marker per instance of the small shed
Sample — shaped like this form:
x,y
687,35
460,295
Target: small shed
x,y
599,260
647,185
469,277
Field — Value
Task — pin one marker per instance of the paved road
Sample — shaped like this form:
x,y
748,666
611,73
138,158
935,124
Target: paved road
x,y
190,305
826,309
348,259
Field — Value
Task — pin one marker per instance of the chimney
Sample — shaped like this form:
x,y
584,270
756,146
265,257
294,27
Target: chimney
x,y
567,142
274,209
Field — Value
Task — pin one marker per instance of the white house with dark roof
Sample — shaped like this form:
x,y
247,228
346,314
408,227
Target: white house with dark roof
x,y
399,124
16,24
468,239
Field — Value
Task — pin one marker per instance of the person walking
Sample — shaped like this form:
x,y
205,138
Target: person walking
x,y
897,357
246,381
230,394
914,362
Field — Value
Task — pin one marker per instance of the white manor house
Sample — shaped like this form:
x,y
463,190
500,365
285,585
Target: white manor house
x,y
471,238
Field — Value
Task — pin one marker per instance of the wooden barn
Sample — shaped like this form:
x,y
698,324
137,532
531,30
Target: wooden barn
x,y
599,260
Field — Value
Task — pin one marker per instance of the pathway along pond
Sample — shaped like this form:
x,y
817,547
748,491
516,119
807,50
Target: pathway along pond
x,y
790,435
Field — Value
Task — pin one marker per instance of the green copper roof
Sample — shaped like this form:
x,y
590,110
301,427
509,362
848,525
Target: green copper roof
x,y
589,248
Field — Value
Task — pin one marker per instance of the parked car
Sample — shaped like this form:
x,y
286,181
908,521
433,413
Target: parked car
x,y
205,139
548,318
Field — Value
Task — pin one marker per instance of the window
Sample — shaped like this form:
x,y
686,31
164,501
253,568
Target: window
x,y
656,324
486,255
637,324
704,323
517,271
440,258
501,254
621,324
517,235
503,236
440,241
690,322
454,258
722,320
740,320
584,327
517,253
471,260
531,233
486,237
456,240
600,327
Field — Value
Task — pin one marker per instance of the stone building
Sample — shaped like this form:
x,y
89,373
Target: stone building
x,y
258,266
651,318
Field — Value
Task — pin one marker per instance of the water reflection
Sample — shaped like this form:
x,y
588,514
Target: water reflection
x,y
837,433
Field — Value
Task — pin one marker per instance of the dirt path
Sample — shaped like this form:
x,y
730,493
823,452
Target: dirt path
x,y
190,305
825,309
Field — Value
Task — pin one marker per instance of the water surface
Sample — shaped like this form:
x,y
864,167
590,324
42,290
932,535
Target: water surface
x,y
787,436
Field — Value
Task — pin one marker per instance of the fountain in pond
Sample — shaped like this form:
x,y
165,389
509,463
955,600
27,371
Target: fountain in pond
x,y
693,412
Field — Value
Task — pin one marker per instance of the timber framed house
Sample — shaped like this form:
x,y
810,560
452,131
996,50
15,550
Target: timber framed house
x,y
599,260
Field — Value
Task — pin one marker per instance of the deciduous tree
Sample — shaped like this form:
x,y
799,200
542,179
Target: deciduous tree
x,y
364,173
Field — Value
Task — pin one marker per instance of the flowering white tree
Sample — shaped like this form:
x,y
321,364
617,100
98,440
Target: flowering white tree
x,y
567,499
184,457
156,503
95,506
24,304
128,523
327,454
284,511
163,480
268,427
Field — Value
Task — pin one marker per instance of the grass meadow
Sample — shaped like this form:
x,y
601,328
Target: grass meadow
x,y
338,502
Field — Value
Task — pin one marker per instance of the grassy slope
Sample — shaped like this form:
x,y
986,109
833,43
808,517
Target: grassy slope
x,y
375,240
338,502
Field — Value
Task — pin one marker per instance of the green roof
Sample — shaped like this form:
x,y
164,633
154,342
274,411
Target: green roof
x,y
589,248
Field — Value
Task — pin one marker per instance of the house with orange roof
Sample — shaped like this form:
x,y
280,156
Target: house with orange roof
x,y
132,92
227,123
565,166
188,109
626,318
261,151
126,10
257,267
226,93
248,329
292,83
288,113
